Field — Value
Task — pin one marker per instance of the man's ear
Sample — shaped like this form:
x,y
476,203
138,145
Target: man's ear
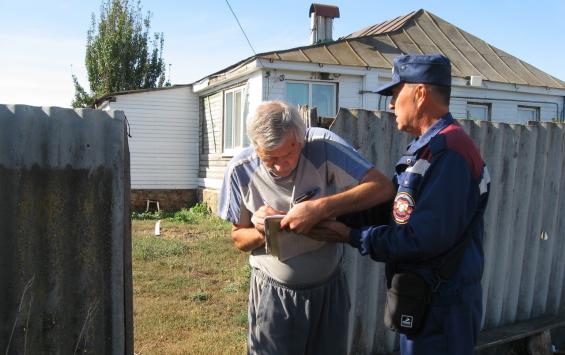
x,y
421,94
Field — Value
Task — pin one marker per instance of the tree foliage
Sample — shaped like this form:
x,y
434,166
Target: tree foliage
x,y
120,54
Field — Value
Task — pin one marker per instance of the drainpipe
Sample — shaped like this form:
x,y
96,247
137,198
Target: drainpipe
x,y
563,110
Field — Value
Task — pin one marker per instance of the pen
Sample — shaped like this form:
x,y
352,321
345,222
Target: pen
x,y
307,195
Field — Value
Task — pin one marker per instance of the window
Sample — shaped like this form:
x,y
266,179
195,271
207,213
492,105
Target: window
x,y
478,111
234,120
528,113
319,95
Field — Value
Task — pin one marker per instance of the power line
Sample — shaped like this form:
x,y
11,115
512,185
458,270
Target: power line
x,y
241,27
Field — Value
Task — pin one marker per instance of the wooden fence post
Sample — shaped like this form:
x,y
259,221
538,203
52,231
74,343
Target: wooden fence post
x,y
539,344
309,115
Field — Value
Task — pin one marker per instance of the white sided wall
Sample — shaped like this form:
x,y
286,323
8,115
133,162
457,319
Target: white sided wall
x,y
254,92
348,86
504,104
503,99
213,158
164,137
356,89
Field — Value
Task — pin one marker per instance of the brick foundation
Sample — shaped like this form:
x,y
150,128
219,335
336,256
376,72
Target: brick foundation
x,y
169,200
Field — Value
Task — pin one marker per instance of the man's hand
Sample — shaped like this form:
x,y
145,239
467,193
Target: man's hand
x,y
330,231
373,189
302,217
258,218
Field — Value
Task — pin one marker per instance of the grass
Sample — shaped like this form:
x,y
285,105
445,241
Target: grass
x,y
190,286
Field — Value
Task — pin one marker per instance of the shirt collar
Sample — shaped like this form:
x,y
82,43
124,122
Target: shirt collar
x,y
424,139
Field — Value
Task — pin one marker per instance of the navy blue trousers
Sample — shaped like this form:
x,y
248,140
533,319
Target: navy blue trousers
x,y
451,327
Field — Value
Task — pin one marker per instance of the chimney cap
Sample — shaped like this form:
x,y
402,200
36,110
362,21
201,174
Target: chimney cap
x,y
324,10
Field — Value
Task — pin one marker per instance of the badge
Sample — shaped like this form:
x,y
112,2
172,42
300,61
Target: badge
x,y
403,207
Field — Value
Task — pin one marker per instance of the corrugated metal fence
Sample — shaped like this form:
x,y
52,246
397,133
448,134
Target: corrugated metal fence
x,y
65,240
524,241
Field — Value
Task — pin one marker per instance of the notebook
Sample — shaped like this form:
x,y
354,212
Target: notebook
x,y
285,244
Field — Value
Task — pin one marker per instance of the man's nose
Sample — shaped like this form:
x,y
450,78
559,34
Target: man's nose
x,y
280,166
283,164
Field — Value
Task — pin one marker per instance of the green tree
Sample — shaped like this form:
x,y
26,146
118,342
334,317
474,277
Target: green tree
x,y
119,53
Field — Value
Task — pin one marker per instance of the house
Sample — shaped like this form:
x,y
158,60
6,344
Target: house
x,y
164,144
488,84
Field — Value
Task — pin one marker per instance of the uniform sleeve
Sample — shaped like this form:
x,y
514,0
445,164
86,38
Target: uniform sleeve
x,y
445,206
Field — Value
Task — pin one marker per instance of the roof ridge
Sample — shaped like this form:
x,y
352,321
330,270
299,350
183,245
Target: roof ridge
x,y
387,26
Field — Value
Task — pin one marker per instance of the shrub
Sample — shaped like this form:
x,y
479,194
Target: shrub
x,y
200,209
150,215
191,215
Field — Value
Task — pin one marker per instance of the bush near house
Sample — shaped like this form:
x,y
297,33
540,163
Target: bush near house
x,y
190,285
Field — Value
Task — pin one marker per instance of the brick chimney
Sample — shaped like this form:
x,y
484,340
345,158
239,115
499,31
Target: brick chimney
x,y
321,22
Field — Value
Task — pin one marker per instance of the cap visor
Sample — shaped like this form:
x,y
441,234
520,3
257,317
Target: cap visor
x,y
386,89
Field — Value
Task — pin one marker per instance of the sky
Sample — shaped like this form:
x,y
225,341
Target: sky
x,y
43,42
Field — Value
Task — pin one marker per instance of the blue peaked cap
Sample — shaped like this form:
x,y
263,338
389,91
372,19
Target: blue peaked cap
x,y
418,69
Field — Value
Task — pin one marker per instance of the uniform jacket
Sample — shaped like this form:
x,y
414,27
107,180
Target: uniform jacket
x,y
442,182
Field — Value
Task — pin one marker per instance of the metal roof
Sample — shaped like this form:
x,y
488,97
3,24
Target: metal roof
x,y
383,27
109,96
419,32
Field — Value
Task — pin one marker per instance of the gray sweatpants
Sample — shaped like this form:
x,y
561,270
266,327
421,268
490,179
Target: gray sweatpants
x,y
298,320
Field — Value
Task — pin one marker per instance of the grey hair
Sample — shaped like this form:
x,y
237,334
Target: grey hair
x,y
272,121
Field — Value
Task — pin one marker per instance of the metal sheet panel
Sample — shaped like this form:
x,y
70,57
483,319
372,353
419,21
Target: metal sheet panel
x,y
420,32
65,241
524,234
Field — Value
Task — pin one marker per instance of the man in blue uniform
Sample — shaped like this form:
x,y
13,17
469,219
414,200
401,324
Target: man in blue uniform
x,y
442,184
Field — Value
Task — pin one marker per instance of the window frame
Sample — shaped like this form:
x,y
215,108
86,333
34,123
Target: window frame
x,y
335,86
230,151
486,105
535,109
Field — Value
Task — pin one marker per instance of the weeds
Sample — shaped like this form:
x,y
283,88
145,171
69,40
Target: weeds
x,y
148,248
190,215
200,296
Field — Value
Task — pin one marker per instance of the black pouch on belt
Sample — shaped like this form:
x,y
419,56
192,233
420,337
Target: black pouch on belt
x,y
407,301
409,295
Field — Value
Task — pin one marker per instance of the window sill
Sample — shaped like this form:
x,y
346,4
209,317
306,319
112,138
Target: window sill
x,y
230,153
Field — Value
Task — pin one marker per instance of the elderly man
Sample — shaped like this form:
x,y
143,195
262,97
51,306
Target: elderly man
x,y
442,191
298,304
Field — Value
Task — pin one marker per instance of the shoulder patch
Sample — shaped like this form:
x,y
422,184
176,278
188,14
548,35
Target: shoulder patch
x,y
403,207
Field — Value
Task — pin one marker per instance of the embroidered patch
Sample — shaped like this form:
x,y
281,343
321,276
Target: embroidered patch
x,y
403,207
